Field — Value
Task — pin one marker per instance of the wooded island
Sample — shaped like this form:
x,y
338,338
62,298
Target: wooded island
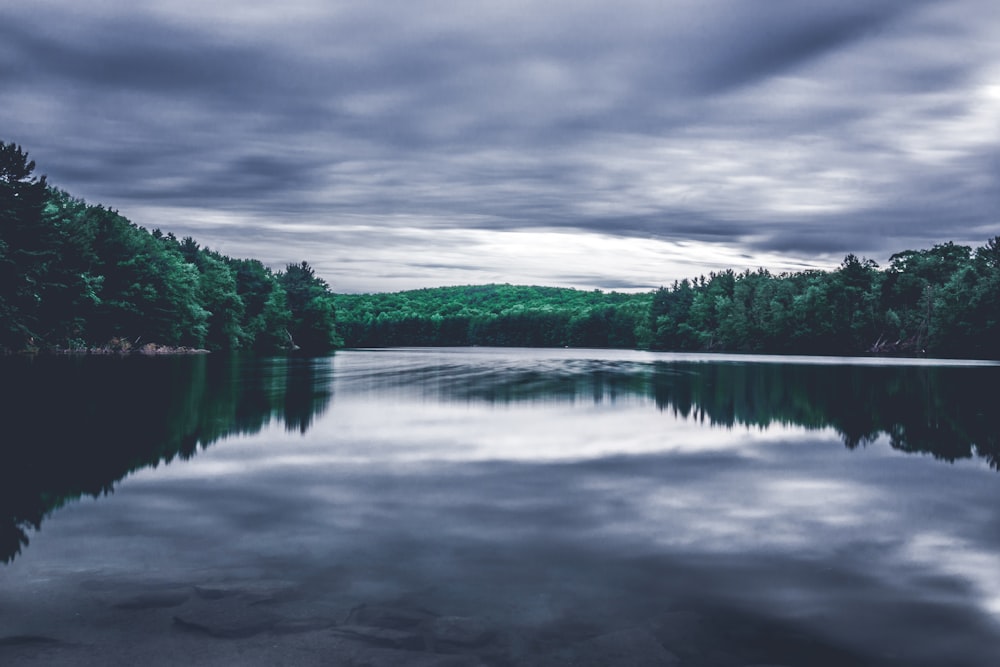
x,y
75,276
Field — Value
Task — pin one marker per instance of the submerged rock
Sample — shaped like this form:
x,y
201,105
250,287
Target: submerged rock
x,y
235,610
226,621
414,629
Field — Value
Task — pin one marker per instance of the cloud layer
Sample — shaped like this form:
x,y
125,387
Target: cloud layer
x,y
405,144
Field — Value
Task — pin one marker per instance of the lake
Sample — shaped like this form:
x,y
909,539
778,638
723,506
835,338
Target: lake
x,y
479,506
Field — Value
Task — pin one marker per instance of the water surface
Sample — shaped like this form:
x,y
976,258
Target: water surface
x,y
486,506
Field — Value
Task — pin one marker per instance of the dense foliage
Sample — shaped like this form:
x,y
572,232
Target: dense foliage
x,y
503,315
943,302
74,275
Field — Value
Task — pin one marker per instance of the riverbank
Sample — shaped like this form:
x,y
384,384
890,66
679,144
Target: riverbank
x,y
113,347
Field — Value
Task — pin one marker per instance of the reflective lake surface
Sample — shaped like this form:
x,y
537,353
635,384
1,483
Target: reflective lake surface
x,y
499,507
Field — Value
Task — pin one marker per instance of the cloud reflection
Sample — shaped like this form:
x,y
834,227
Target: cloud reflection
x,y
560,495
846,548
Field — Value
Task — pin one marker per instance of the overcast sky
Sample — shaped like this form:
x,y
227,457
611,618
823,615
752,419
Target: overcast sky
x,y
617,145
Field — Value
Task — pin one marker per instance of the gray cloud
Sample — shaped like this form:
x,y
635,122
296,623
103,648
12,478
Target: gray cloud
x,y
783,131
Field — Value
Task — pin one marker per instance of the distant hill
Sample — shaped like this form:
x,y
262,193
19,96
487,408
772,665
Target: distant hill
x,y
528,316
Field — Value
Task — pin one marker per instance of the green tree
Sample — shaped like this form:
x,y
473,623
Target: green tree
x,y
217,295
265,314
27,247
911,289
853,292
967,307
72,291
149,292
312,323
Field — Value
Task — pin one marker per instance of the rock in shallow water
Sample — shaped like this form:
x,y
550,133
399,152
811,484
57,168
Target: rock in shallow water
x,y
226,622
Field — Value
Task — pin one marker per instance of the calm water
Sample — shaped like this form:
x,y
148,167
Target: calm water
x,y
499,507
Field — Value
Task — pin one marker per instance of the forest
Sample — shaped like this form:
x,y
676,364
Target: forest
x,y
78,276
943,302
75,276
500,315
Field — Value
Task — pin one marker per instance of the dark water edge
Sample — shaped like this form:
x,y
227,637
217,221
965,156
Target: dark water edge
x,y
418,507
76,425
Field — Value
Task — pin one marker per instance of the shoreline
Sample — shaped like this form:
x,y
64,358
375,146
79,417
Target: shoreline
x,y
149,349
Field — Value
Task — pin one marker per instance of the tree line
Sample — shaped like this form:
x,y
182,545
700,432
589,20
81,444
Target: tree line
x,y
74,275
496,315
944,301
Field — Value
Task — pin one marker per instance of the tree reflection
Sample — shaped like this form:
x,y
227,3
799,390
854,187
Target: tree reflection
x,y
74,427
945,411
